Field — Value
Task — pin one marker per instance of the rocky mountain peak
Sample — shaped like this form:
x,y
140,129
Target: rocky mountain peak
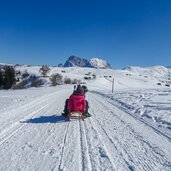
x,y
81,62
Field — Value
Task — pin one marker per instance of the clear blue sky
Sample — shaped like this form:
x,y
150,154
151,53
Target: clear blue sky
x,y
123,32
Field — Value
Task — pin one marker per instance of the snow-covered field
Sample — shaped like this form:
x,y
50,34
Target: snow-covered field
x,y
130,129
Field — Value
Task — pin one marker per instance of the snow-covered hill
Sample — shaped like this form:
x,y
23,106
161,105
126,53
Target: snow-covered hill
x,y
132,77
129,77
129,130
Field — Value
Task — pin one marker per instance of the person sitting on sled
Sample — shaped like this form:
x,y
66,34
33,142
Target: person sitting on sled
x,y
77,102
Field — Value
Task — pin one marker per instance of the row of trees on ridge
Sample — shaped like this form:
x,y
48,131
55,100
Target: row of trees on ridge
x,y
10,78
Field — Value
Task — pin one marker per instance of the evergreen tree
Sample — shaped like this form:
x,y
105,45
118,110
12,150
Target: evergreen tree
x,y
9,77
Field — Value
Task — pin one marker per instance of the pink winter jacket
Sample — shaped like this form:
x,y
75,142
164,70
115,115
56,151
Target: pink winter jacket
x,y
77,103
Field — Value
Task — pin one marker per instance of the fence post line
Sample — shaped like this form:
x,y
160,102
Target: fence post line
x,y
113,85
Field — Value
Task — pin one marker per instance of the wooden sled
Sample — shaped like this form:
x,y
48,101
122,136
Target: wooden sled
x,y
71,114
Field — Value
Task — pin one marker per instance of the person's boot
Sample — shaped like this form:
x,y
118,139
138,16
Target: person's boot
x,y
64,114
87,114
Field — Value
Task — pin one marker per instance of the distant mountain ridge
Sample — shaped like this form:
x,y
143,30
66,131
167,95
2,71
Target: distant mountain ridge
x,y
74,61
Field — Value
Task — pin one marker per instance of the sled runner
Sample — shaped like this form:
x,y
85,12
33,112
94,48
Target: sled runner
x,y
75,114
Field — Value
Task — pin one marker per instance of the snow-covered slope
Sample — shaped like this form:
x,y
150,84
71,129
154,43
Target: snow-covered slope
x,y
155,71
131,77
34,135
129,130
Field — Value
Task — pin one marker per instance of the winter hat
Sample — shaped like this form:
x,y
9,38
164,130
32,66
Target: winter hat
x,y
80,90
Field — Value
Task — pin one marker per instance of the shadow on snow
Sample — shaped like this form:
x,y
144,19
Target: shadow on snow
x,y
46,119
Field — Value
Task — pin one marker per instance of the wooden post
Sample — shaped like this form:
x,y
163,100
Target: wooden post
x,y
113,85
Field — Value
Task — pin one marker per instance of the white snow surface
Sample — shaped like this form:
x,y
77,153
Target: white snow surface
x,y
130,129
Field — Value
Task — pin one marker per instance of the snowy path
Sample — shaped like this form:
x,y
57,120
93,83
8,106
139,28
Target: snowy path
x,y
131,142
40,139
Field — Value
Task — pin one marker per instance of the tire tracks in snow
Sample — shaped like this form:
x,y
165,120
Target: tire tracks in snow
x,y
158,159
12,129
82,147
71,150
60,156
118,104
163,133
16,127
85,151
63,147
33,138
85,163
47,150
111,149
99,153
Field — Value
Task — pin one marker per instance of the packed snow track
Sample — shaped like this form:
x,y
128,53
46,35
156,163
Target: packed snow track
x,y
38,138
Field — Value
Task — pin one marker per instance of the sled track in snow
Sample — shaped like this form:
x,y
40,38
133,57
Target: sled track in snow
x,y
83,146
86,156
71,141
63,147
88,153
102,149
110,144
118,104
